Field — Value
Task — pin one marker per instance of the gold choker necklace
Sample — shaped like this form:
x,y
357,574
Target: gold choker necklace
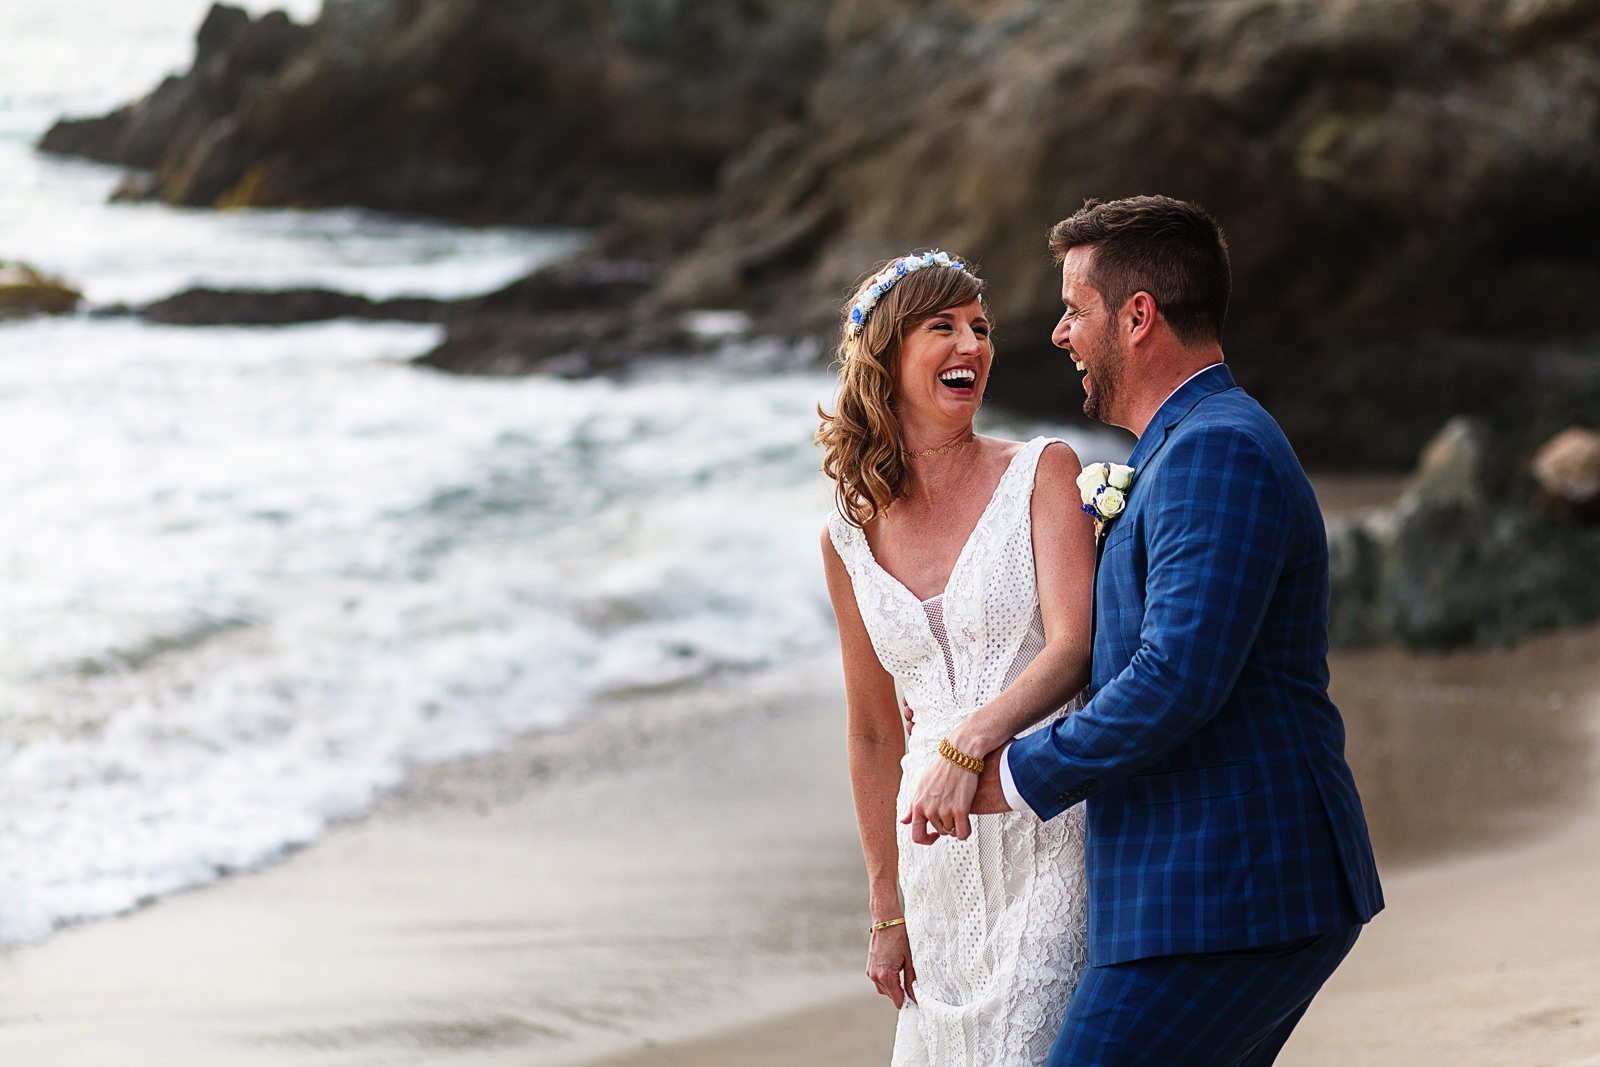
x,y
945,451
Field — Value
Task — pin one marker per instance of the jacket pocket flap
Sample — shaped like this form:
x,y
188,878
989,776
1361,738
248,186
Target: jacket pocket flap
x,y
1175,787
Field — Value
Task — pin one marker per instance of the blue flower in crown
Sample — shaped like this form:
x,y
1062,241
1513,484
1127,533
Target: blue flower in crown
x,y
885,279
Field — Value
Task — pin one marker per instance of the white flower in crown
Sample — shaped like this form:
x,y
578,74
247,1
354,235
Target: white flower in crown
x,y
884,280
1104,488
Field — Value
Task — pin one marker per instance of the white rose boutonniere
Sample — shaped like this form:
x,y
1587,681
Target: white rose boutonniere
x,y
1104,488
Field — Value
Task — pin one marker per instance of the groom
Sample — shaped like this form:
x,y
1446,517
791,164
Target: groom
x,y
1228,859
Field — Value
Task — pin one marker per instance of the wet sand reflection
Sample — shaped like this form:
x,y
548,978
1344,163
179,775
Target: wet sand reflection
x,y
1466,750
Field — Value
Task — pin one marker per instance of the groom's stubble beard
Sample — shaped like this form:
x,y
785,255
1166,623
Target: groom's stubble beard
x,y
1105,371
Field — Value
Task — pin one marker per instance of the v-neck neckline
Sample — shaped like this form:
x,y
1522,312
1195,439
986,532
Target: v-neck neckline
x,y
966,545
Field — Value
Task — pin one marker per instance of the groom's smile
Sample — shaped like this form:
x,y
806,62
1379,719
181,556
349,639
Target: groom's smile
x,y
1084,334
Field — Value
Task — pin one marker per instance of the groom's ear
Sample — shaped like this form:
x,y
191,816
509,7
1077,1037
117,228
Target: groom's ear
x,y
1139,317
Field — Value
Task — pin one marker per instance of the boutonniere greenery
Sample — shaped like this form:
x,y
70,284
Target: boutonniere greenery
x,y
1104,487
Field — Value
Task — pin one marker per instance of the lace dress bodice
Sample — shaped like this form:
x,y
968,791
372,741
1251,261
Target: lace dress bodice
x,y
997,922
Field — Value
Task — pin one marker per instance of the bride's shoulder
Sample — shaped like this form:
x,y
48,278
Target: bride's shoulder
x,y
838,531
1058,469
1004,450
1056,452
1055,456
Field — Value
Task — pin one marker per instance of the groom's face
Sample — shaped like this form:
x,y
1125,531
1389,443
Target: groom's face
x,y
1087,331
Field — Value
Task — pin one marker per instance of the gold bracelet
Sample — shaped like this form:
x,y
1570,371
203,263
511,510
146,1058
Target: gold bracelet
x,y
887,923
960,758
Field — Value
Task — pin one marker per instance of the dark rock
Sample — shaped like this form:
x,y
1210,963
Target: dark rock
x,y
1465,464
470,109
1355,561
1466,556
568,344
235,58
573,318
25,291
102,139
585,283
281,307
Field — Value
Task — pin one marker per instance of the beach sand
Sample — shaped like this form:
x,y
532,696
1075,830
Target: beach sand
x,y
675,880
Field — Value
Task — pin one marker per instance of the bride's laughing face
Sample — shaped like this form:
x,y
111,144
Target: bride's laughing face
x,y
944,364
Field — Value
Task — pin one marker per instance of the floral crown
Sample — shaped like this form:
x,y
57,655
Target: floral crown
x,y
884,280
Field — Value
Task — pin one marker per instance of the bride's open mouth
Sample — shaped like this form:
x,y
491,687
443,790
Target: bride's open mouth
x,y
959,379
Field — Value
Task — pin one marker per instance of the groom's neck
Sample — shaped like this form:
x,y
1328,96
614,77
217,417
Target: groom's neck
x,y
1161,372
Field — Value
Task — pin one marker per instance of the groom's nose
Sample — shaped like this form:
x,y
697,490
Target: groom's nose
x,y
1061,336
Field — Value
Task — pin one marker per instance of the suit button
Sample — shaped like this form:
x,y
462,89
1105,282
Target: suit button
x,y
1062,798
1089,786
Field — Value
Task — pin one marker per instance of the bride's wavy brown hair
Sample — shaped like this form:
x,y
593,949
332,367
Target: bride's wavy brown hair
x,y
861,443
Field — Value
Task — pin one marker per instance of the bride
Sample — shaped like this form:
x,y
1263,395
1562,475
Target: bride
x,y
960,569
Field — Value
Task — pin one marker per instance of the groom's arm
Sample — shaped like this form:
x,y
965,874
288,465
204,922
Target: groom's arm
x,y
1216,541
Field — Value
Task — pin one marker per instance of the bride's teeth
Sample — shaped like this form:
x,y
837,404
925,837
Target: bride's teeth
x,y
964,378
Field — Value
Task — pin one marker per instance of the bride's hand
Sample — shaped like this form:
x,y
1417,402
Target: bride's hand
x,y
944,799
889,964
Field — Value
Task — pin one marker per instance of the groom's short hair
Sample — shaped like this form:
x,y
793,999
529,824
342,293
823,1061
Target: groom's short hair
x,y
1168,248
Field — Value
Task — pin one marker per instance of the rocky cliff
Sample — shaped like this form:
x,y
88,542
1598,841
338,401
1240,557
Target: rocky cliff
x,y
1409,186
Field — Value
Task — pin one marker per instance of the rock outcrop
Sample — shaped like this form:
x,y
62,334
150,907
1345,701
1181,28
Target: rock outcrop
x,y
1473,553
282,307
475,110
573,319
24,291
1408,185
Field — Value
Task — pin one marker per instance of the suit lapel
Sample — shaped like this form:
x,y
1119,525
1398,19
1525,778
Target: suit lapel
x,y
1213,379
1094,599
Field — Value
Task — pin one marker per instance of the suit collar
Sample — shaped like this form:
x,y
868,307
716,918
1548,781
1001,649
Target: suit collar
x,y
1213,379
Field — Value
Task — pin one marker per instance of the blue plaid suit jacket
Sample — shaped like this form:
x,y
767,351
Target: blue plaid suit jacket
x,y
1221,813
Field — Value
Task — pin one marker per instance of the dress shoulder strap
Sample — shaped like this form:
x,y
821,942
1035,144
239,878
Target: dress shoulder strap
x,y
1016,485
849,540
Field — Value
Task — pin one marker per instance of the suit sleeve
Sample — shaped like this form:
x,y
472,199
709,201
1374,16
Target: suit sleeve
x,y
1216,540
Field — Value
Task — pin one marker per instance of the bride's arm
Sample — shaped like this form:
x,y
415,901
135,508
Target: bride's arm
x,y
876,742
1063,554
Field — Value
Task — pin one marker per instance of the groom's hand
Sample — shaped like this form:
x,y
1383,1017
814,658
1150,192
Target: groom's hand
x,y
990,798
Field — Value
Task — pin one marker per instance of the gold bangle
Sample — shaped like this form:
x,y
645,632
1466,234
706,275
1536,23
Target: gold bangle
x,y
960,758
887,923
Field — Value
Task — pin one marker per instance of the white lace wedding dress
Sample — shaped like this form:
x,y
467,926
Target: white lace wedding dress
x,y
997,922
